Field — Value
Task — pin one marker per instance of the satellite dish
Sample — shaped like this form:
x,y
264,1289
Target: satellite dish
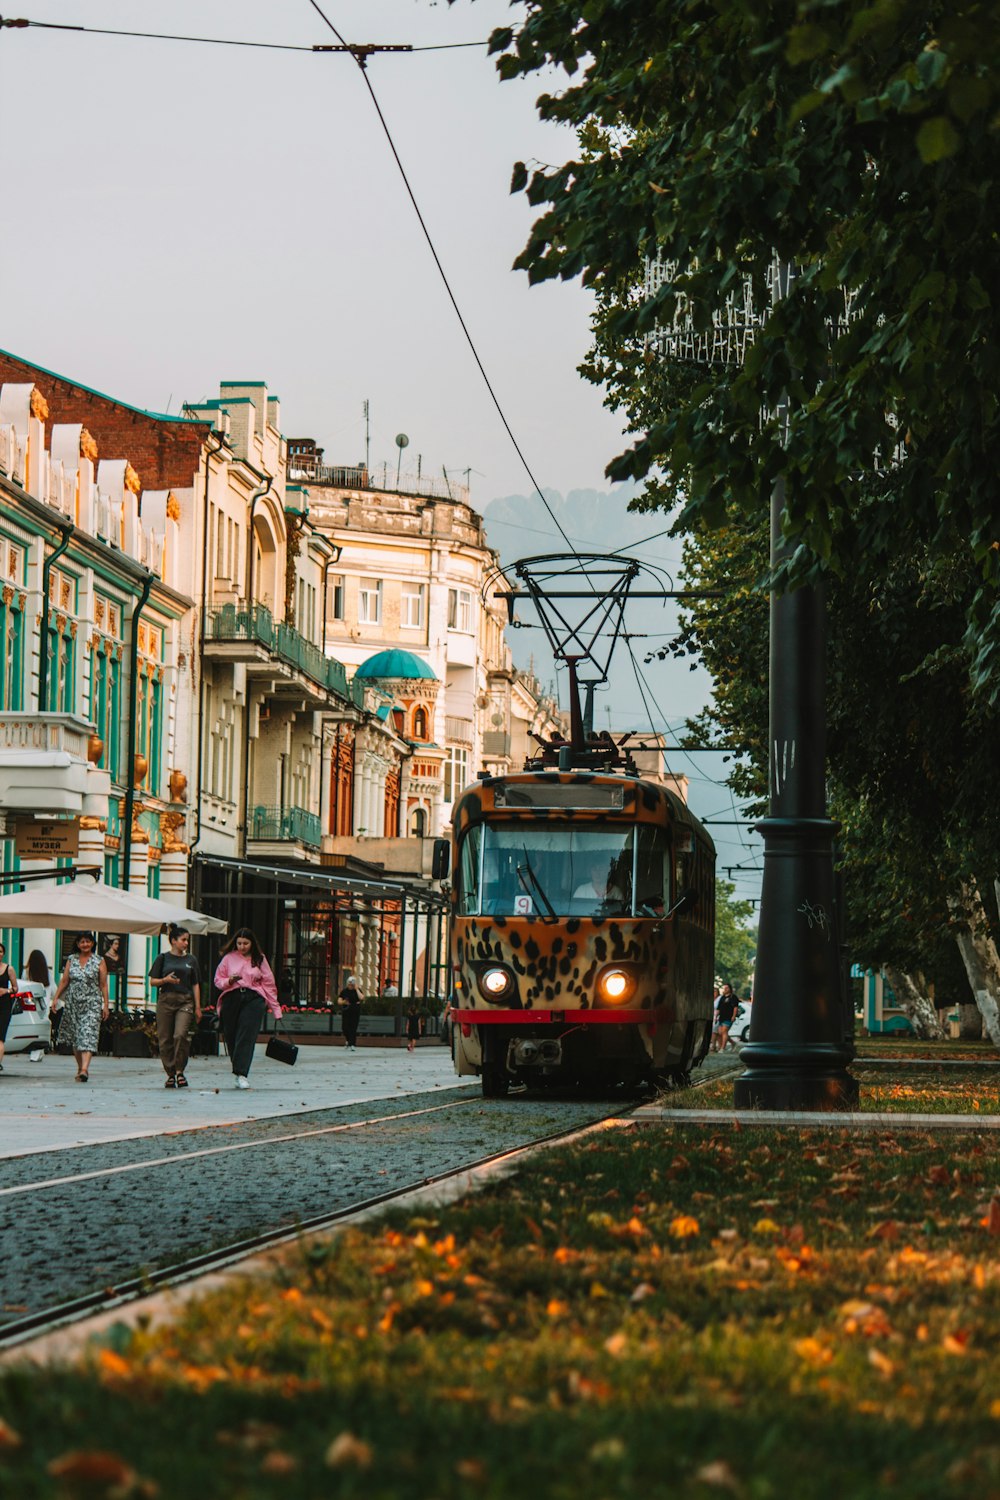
x,y
402,441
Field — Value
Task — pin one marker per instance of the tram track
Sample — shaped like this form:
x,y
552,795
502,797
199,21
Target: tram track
x,y
126,1293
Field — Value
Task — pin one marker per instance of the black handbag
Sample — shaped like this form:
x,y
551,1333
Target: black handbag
x,y
281,1051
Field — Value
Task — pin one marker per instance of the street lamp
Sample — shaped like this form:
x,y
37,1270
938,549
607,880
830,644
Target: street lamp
x,y
800,1042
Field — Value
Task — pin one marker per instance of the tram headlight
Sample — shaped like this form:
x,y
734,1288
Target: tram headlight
x,y
615,986
496,983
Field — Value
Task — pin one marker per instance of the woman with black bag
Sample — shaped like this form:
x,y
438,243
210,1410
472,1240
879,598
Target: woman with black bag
x,y
247,989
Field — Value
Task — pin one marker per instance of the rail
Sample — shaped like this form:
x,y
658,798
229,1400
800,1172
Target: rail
x,y
287,823
255,624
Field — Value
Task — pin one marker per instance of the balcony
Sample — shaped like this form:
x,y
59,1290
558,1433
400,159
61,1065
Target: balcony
x,y
458,731
496,742
44,766
286,824
253,627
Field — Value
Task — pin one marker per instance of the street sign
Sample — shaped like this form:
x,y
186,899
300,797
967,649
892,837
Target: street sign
x,y
57,840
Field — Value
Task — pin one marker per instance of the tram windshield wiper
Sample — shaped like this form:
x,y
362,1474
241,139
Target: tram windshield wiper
x,y
525,873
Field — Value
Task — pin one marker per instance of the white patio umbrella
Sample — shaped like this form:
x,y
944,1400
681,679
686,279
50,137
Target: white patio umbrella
x,y
83,905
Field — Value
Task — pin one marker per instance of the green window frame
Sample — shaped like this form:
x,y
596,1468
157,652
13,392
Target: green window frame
x,y
12,641
106,706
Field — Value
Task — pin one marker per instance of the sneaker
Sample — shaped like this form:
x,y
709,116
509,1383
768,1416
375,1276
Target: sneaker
x,y
241,1082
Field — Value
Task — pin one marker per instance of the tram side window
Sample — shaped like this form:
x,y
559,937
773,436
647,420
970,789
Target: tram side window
x,y
653,894
468,872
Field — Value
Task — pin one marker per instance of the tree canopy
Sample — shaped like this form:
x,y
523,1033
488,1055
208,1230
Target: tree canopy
x,y
854,139
735,941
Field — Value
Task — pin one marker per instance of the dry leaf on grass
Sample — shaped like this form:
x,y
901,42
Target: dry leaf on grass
x,y
719,1474
8,1437
347,1450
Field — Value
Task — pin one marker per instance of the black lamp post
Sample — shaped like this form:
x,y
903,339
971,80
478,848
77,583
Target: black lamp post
x,y
799,1044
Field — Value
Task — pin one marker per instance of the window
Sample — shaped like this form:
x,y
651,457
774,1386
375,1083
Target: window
x,y
370,601
106,682
418,823
149,705
456,772
460,610
420,724
337,597
412,613
12,601
601,871
61,644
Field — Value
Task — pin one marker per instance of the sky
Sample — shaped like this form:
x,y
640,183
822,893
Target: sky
x,y
180,214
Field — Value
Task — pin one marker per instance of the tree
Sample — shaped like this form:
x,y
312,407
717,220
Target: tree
x,y
859,142
735,943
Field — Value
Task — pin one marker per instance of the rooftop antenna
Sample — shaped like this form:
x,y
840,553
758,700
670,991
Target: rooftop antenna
x,y
368,435
447,481
402,441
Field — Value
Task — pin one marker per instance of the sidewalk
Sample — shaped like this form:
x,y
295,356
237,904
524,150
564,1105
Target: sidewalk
x,y
43,1108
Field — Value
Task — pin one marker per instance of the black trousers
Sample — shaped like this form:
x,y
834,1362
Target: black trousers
x,y
242,1014
351,1021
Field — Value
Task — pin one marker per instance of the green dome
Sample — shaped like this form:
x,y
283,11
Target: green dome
x,y
394,664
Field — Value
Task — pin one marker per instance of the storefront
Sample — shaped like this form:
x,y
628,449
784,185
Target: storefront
x,y
317,925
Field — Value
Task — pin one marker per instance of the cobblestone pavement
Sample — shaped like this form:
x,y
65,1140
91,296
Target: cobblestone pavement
x,y
42,1107
211,1169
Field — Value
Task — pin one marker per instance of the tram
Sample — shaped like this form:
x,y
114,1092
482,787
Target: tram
x,y
582,934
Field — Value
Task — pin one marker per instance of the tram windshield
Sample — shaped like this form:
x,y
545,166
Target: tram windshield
x,y
524,870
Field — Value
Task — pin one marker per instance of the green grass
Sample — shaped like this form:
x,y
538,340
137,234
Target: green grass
x,y
684,1310
898,1083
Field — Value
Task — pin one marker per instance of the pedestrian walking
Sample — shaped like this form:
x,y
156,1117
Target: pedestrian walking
x,y
349,1001
412,1026
176,978
727,1008
37,981
247,989
84,984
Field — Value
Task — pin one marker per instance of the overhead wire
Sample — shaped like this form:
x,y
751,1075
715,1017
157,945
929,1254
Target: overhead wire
x,y
445,281
225,41
360,56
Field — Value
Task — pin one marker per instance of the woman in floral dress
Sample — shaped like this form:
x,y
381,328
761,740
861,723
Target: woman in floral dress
x,y
84,984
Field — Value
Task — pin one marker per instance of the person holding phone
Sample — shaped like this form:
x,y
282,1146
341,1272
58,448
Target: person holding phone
x,y
247,989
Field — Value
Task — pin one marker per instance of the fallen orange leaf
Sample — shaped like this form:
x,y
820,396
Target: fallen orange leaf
x,y
279,1462
94,1467
8,1437
684,1226
113,1364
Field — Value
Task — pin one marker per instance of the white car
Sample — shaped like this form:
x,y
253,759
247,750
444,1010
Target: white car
x,y
29,1028
739,1031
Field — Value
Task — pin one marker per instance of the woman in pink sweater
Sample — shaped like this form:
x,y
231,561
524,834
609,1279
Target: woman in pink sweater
x,y
247,989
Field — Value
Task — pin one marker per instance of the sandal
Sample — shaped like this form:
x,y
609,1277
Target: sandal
x,y
182,1082
83,1078
171,1082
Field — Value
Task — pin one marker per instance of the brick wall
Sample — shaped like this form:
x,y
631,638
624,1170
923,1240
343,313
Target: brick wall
x,y
164,452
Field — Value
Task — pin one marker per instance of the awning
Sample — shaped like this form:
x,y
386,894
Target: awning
x,y
323,880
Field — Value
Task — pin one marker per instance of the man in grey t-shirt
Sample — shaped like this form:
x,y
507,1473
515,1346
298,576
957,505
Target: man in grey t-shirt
x,y
177,980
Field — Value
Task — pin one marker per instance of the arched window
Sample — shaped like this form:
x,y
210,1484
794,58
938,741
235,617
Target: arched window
x,y
418,823
420,724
